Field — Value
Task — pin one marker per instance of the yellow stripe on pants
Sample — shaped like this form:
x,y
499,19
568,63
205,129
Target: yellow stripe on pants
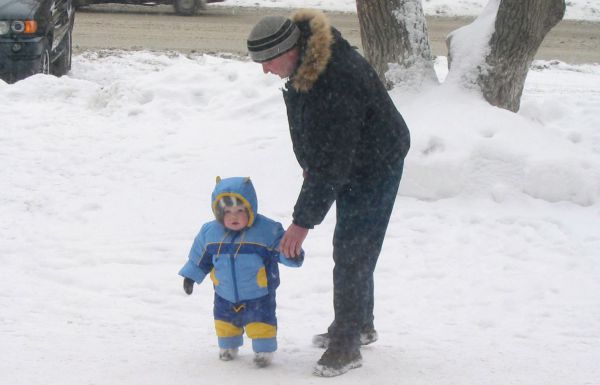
x,y
226,329
260,330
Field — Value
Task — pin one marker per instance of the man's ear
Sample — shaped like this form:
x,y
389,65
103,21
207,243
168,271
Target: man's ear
x,y
247,179
218,180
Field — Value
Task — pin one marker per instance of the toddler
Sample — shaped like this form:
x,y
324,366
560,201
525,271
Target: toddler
x,y
239,251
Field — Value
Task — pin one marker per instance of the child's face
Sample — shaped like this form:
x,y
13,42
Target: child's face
x,y
235,217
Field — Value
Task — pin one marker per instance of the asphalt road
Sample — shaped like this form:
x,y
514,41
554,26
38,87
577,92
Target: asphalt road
x,y
224,30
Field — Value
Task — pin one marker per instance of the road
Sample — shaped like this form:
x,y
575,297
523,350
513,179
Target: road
x,y
224,30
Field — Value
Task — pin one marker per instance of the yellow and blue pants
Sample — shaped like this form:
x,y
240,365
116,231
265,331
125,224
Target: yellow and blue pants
x,y
256,316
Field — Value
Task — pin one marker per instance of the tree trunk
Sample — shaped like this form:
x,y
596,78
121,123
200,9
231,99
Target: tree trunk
x,y
395,41
520,28
510,38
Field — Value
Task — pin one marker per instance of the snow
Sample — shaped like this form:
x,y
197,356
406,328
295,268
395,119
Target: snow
x,y
489,274
469,46
576,9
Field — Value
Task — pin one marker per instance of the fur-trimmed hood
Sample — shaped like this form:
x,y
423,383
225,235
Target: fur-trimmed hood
x,y
317,48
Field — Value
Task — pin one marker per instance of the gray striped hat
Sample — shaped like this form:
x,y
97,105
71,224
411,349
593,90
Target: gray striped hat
x,y
271,37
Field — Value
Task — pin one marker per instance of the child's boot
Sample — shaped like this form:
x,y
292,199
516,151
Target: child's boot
x,y
228,354
262,359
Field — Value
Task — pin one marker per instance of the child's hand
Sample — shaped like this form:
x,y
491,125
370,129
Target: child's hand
x,y
188,285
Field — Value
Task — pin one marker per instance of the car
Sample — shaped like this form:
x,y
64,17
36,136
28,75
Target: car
x,y
182,7
35,37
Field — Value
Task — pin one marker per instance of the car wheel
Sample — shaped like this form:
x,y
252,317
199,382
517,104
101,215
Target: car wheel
x,y
62,64
45,59
186,7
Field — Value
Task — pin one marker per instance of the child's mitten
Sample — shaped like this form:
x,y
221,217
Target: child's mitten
x,y
188,285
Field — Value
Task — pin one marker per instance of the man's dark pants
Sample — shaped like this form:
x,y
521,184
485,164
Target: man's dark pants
x,y
363,212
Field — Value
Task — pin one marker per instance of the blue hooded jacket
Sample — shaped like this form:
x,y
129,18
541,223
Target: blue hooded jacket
x,y
243,264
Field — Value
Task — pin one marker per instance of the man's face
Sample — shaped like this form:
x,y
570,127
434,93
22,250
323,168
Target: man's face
x,y
283,65
235,217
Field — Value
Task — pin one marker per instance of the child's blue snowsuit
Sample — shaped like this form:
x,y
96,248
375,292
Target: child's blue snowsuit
x,y
243,266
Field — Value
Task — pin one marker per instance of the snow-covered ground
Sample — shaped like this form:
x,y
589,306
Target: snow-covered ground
x,y
489,275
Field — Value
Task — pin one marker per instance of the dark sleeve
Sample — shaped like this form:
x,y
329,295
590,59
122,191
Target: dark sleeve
x,y
333,125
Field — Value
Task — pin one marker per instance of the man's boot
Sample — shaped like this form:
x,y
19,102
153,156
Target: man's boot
x,y
368,335
335,362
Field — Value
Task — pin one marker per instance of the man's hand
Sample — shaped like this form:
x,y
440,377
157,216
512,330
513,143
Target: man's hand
x,y
188,285
291,243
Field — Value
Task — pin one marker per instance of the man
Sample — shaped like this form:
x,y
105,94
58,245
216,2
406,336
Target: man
x,y
351,143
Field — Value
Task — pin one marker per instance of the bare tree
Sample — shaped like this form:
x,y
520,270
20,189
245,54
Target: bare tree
x,y
491,55
495,51
395,41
